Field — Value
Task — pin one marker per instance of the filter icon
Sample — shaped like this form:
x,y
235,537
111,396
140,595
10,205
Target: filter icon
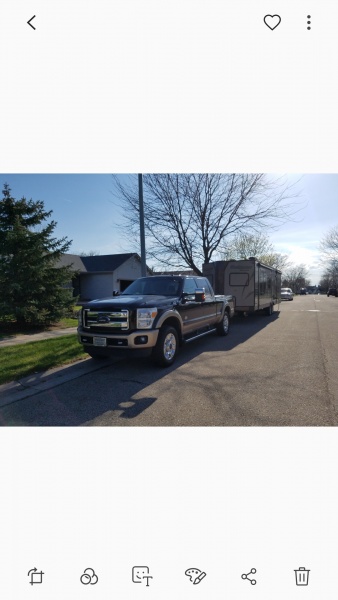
x,y
302,576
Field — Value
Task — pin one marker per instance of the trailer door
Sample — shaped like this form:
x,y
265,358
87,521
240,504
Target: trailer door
x,y
239,282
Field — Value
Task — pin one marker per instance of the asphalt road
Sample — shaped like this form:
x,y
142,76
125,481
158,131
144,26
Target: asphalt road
x,y
269,371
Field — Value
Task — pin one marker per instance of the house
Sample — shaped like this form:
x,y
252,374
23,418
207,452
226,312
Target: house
x,y
98,276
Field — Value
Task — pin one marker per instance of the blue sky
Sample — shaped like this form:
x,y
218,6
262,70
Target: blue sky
x,y
300,238
83,207
86,212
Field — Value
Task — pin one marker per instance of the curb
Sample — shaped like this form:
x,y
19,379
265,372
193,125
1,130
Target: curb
x,y
46,380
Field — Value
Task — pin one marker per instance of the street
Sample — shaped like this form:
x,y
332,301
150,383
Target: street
x,y
269,371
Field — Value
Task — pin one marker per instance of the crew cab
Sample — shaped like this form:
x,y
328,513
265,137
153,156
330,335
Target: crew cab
x,y
154,316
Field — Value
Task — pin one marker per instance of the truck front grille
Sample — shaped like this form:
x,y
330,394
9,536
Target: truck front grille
x,y
117,320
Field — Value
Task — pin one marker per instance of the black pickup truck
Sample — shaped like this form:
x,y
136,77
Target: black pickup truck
x,y
154,315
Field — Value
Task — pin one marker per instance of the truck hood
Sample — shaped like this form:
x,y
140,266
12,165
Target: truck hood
x,y
119,302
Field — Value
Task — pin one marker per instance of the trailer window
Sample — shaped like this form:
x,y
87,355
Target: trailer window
x,y
239,279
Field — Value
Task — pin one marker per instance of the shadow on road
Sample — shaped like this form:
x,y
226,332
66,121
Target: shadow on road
x,y
108,395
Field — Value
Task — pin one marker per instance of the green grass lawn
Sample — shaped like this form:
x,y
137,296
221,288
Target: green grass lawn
x,y
25,359
65,323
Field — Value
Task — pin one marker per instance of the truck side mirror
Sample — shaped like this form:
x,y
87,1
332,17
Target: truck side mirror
x,y
200,295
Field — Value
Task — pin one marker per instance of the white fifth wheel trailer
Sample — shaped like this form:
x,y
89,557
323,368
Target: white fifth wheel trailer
x,y
253,285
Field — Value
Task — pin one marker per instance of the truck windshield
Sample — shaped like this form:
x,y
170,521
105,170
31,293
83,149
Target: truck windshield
x,y
154,286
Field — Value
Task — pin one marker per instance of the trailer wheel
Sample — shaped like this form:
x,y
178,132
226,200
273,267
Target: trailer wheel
x,y
166,347
269,310
223,326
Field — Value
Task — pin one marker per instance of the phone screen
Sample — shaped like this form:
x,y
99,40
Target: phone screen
x,y
168,300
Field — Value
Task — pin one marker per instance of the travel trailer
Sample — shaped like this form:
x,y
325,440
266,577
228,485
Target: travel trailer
x,y
253,285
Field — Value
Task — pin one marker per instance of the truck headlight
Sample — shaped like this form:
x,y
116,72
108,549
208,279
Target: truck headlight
x,y
145,317
79,317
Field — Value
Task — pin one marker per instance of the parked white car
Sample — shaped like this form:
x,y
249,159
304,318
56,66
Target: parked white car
x,y
286,294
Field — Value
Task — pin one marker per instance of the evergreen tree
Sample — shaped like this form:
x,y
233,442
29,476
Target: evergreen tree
x,y
32,285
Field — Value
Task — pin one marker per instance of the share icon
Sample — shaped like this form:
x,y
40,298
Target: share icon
x,y
246,576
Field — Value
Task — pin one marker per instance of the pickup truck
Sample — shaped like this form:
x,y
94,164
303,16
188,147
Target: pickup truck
x,y
154,315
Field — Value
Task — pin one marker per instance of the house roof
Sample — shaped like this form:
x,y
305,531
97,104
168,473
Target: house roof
x,y
89,264
72,260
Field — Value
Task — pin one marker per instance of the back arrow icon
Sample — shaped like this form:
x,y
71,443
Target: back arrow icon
x,y
29,22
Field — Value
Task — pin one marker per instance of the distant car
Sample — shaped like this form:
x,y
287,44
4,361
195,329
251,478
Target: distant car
x,y
303,291
332,292
286,294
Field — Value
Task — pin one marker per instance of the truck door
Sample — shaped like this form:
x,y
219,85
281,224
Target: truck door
x,y
193,313
209,305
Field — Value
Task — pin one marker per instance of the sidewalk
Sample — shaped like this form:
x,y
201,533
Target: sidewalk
x,y
46,380
35,337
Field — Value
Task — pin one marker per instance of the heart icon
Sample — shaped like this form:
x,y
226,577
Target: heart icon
x,y
272,21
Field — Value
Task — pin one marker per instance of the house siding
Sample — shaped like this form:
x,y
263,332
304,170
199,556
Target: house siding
x,y
96,285
98,276
130,270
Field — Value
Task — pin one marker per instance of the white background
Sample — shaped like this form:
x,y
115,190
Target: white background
x,y
223,500
139,86
143,85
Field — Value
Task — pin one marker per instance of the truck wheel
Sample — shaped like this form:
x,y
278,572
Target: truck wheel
x,y
97,353
166,347
223,326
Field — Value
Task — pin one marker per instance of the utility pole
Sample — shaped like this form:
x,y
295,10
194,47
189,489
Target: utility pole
x,y
142,234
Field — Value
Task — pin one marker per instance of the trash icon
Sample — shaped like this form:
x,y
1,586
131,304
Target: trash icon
x,y
302,576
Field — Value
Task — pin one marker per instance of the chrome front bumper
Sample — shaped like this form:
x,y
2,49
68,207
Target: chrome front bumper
x,y
124,341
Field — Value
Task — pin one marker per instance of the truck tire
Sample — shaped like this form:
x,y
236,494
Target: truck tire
x,y
166,347
96,353
223,327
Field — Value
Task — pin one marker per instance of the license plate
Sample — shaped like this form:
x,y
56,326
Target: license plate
x,y
98,341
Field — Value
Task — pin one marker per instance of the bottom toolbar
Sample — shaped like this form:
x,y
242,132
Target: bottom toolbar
x,y
144,576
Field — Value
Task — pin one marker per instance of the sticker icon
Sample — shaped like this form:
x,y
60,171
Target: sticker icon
x,y
141,574
195,575
89,577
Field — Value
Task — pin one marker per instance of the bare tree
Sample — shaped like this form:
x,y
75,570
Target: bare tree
x,y
276,260
245,245
296,277
329,250
329,245
188,216
330,275
90,253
